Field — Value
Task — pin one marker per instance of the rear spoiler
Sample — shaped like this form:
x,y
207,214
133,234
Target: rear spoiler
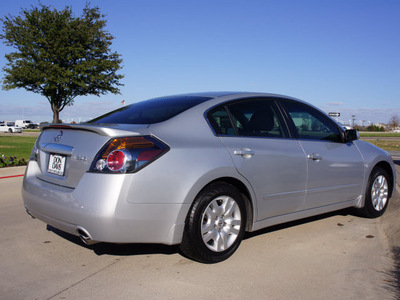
x,y
109,130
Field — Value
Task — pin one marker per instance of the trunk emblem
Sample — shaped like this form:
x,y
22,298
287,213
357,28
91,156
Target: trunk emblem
x,y
81,157
58,137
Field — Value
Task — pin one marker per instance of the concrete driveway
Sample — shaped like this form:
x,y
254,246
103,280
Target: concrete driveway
x,y
334,256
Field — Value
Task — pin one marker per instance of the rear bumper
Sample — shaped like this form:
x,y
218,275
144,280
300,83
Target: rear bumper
x,y
99,205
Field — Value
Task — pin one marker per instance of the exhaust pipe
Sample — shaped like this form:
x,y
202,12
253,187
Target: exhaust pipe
x,y
85,237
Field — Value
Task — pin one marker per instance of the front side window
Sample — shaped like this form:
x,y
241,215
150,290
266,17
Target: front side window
x,y
251,117
311,124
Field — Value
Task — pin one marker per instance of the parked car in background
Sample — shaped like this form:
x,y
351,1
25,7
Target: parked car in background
x,y
10,127
25,124
33,126
201,169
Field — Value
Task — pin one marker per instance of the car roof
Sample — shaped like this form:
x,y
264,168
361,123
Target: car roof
x,y
207,94
219,94
229,95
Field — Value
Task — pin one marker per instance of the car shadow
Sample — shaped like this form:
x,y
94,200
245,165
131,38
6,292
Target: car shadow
x,y
118,249
342,212
148,249
393,276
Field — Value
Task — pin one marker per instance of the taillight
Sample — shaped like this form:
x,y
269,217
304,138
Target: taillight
x,y
128,154
117,160
35,151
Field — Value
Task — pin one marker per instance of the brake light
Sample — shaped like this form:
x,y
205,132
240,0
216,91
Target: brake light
x,y
35,151
127,154
116,160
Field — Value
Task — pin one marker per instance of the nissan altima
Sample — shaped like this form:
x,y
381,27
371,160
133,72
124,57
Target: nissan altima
x,y
200,170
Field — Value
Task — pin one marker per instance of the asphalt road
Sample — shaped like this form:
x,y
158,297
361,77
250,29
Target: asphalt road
x,y
335,256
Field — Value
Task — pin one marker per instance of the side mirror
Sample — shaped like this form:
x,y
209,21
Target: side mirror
x,y
351,135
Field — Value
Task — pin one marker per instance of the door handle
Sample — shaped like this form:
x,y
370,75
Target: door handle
x,y
314,156
244,152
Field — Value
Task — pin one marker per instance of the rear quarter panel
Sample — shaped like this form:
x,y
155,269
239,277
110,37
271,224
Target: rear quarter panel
x,y
196,158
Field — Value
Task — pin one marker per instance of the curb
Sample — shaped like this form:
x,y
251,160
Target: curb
x,y
12,172
12,176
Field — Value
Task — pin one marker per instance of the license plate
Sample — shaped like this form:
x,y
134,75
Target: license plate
x,y
56,164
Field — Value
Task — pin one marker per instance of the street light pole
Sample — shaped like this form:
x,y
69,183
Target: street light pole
x,y
353,119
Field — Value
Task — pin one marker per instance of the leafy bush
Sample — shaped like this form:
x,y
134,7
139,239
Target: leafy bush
x,y
11,161
375,128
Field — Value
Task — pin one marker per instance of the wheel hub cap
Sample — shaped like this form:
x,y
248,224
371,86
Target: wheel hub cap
x,y
221,223
379,193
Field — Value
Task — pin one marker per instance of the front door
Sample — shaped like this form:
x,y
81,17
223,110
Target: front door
x,y
335,168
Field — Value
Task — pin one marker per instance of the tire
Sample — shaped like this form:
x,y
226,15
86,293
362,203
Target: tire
x,y
10,130
215,224
377,194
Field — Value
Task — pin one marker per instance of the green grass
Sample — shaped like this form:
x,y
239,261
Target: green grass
x,y
379,134
388,145
388,141
17,146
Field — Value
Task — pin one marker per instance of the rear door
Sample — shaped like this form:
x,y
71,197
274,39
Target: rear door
x,y
335,168
263,152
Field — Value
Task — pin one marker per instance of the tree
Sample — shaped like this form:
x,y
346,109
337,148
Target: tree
x,y
375,128
60,56
394,122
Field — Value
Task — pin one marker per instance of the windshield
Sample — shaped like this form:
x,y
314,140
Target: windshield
x,y
150,111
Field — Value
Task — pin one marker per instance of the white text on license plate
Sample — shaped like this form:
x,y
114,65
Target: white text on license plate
x,y
56,164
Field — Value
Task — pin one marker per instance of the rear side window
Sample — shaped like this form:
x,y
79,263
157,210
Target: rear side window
x,y
250,117
150,111
221,122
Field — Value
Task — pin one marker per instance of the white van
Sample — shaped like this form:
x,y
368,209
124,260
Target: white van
x,y
23,123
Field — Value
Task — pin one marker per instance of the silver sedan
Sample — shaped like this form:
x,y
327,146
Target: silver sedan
x,y
201,169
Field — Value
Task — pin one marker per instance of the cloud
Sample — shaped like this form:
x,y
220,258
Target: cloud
x,y
41,111
335,103
88,110
15,112
366,114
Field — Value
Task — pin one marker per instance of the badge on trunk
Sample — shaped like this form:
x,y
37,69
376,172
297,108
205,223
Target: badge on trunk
x,y
58,137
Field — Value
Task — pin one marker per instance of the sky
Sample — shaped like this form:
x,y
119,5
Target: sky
x,y
339,55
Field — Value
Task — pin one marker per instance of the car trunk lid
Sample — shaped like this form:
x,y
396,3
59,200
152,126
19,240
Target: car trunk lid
x,y
65,152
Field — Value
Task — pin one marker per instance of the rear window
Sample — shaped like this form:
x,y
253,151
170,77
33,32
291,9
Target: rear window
x,y
150,111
